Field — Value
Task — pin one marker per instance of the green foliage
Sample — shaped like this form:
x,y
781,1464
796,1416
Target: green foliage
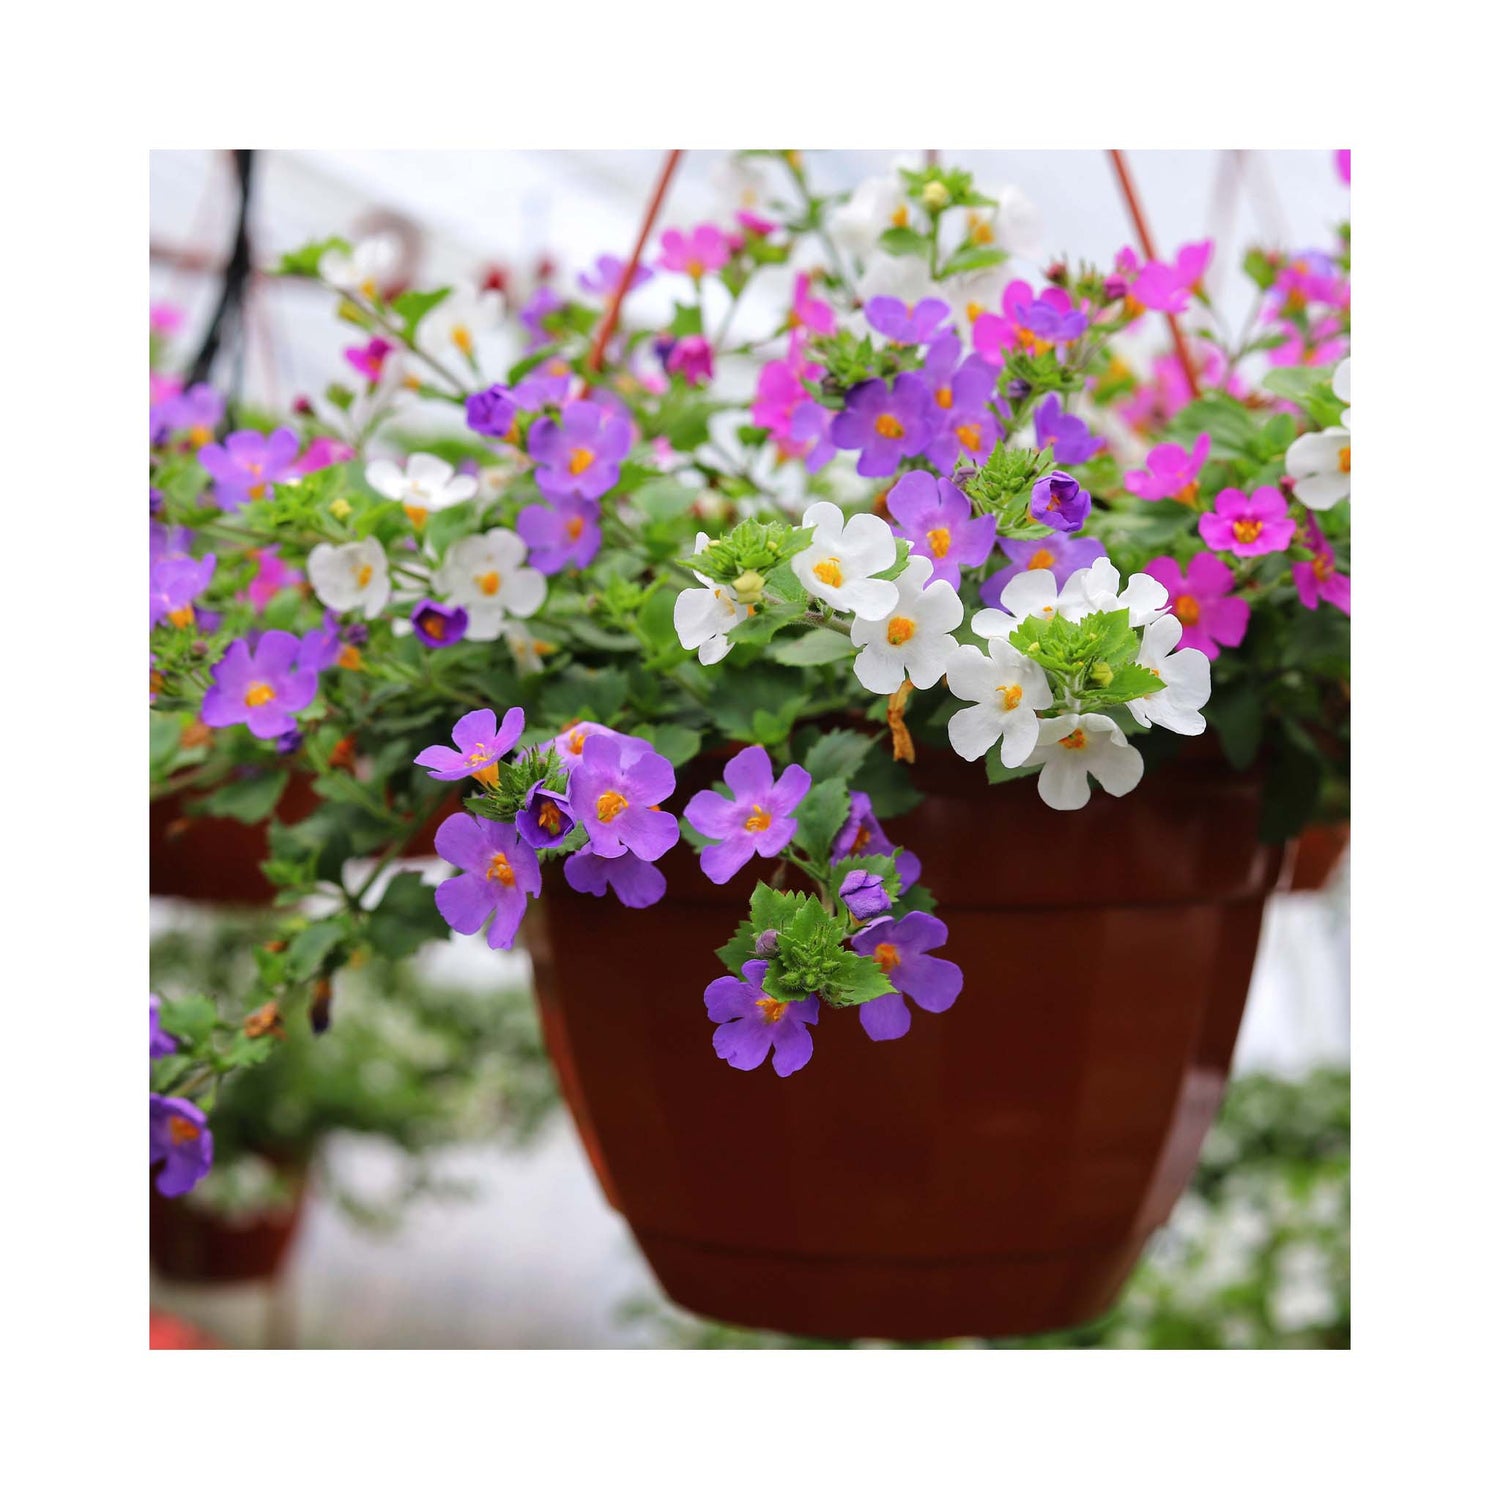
x,y
304,261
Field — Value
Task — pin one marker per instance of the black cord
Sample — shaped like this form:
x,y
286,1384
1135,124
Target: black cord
x,y
228,320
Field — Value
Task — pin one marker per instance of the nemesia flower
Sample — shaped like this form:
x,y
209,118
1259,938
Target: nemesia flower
x,y
561,535
1201,599
1170,473
498,871
366,269
1322,344
1073,747
438,625
616,790
271,576
246,464
480,742
752,1023
605,275
836,565
935,516
1059,501
780,388
914,639
865,895
1320,579
1006,690
704,617
369,359
545,819
636,882
427,483
181,1139
163,1043
176,581
1067,435
542,304
755,819
1304,279
1248,525
456,324
887,423
811,435
580,456
902,949
1062,555
810,312
862,834
487,574
907,322
693,359
1185,680
260,688
354,575
695,253
319,649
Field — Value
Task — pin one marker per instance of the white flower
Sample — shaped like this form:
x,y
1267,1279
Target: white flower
x,y
352,576
901,276
1185,680
1006,690
837,565
487,575
1319,465
1033,592
426,484
457,322
913,639
877,204
1018,223
704,617
1088,591
525,649
1073,747
368,267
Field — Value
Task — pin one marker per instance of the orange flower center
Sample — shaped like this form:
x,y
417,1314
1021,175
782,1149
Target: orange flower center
x,y
434,625
974,309
1041,558
758,821
1010,697
886,956
771,1010
1188,494
888,427
1075,741
182,1131
181,617
828,571
200,435
500,870
980,231
487,776
1029,341
258,694
944,396
363,577
609,806
416,514
900,630
1322,565
860,840
549,815
489,583
350,659
970,435
1246,530
463,339
940,539
901,217
579,459
1344,459
575,741
574,528
1185,607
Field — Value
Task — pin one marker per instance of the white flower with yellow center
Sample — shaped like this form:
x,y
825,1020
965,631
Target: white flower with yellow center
x,y
488,576
704,617
426,484
1006,690
914,640
877,204
1184,677
1073,747
1096,590
354,575
366,269
837,565
1033,592
1318,462
457,323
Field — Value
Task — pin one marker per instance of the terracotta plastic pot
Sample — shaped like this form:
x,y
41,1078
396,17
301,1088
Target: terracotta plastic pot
x,y
998,1170
190,1245
1317,854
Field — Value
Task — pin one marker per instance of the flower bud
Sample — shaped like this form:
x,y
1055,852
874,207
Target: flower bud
x,y
935,196
1057,273
765,942
864,893
340,509
750,587
1102,674
1017,390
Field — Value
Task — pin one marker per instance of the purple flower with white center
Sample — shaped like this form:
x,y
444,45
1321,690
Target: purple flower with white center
x,y
935,516
260,688
1068,436
1059,501
887,423
901,947
1060,554
693,359
570,742
545,819
544,302
580,455
1248,525
499,871
480,741
635,882
616,792
439,625
752,1023
961,392
246,464
181,1139
606,275
562,535
491,413
862,834
163,1043
756,819
907,323
176,581
864,893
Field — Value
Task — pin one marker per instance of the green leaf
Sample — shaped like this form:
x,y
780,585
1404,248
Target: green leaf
x,y
251,799
1238,718
815,648
837,753
190,1019
900,241
664,499
678,744
406,918
307,953
903,551
304,261
856,980
412,307
687,320
975,258
821,814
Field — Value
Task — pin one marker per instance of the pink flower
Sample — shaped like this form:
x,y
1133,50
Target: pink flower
x,y
1201,599
1170,473
693,359
780,389
702,250
808,311
1034,322
1169,288
755,224
1248,525
1324,344
272,574
167,317
369,359
322,453
1159,399
1341,164
1319,579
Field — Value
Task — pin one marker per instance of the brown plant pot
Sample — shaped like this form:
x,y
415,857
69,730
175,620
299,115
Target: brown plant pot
x,y
998,1170
1318,851
190,1245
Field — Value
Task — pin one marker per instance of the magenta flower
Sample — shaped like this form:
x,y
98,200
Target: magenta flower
x,y
1068,436
752,1023
1060,554
176,581
1170,473
1059,501
696,253
262,688
961,393
167,318
887,423
616,791
545,818
579,457
180,1138
491,413
607,273
780,388
1319,579
693,359
563,535
756,819
369,359
1323,344
438,625
1248,525
163,1043
901,947
271,576
862,834
1307,278
864,893
323,453
907,322
246,464
1341,165
480,744
936,518
1034,322
1169,288
810,312
1201,599
636,882
498,872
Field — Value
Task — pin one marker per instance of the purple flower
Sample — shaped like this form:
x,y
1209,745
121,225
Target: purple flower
x,y
561,535
262,688
907,323
964,426
862,834
1059,501
491,413
544,302
480,744
808,428
545,819
635,882
246,464
1068,436
886,423
180,1137
900,948
289,743
757,819
1061,555
936,518
1320,578
175,582
605,276
692,358
439,625
570,742
864,893
580,455
547,385
1050,323
751,1023
499,873
198,410
320,648
1248,525
616,792
163,1043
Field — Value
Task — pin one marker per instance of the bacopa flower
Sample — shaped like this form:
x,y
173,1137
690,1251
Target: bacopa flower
x,y
176,581
579,456
1068,436
810,312
1073,747
487,574
366,270
354,575
753,1023
1059,501
1096,590
542,304
693,359
616,792
491,412
196,412
499,870
570,743
862,834
545,818
369,359
914,640
605,276
182,1141
864,893
1059,554
481,743
695,253
755,819
886,423
902,949
261,688
163,1043
935,516
1006,690
1248,525
836,565
1201,599
961,393
1035,322
456,324
564,534
438,625
1170,473
1320,579
246,464
907,322
636,882
704,617
1319,465
1184,680
427,483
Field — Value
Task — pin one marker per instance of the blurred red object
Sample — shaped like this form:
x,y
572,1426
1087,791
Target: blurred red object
x,y
168,1332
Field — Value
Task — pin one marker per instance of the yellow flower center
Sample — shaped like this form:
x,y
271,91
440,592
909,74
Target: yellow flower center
x,y
463,339
500,870
257,491
574,528
1344,459
1322,565
1188,494
575,741
695,268
901,217
1031,342
1041,558
900,630
940,539
609,806
434,625
888,427
828,571
200,435
579,459
944,396
974,309
416,514
1246,530
549,815
181,617
970,435
886,956
758,821
1075,741
363,577
488,583
981,232
350,659
182,1131
1185,607
771,1010
258,694
1010,697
